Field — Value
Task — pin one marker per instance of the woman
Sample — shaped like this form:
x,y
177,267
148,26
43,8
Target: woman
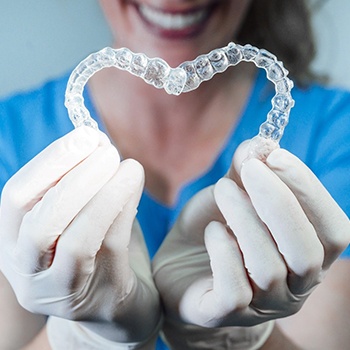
x,y
234,260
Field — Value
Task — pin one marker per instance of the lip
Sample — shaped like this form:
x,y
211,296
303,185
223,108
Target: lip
x,y
191,22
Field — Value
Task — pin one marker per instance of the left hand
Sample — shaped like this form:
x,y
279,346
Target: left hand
x,y
69,242
241,257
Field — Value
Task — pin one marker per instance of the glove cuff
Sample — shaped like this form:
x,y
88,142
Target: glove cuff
x,y
70,335
190,337
265,335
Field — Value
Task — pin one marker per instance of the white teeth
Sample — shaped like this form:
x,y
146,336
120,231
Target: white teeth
x,y
171,21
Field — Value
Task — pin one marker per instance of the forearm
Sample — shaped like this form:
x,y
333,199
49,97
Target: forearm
x,y
324,320
135,320
278,340
134,327
62,334
27,325
40,342
181,335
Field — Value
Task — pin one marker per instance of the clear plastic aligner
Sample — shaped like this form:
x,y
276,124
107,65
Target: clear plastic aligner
x,y
187,77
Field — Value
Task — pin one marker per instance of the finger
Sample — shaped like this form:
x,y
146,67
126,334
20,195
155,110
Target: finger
x,y
103,226
257,147
197,214
239,157
330,222
117,239
261,257
293,233
139,259
206,302
42,226
230,280
31,182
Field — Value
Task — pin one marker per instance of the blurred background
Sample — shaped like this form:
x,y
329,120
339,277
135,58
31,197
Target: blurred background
x,y
41,39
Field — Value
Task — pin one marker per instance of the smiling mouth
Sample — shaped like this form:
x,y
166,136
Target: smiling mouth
x,y
175,24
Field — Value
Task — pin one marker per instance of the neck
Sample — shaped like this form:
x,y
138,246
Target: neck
x,y
184,132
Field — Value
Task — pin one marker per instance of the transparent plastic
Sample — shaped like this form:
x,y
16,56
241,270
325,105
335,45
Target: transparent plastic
x,y
187,77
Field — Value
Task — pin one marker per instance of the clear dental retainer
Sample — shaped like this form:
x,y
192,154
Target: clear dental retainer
x,y
185,78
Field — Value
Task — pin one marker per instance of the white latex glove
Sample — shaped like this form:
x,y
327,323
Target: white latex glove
x,y
17,326
67,218
238,258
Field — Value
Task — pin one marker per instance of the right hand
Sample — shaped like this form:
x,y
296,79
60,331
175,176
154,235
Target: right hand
x,y
69,242
242,257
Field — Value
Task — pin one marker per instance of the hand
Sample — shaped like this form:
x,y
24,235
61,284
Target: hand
x,y
69,242
240,257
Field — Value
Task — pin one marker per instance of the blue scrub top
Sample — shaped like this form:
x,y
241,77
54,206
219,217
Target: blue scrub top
x,y
318,133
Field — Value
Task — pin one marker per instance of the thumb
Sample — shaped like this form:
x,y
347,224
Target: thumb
x,y
257,147
197,214
240,155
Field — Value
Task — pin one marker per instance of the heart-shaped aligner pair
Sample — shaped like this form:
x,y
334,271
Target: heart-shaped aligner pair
x,y
186,77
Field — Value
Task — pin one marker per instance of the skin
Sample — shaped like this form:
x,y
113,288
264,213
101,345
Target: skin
x,y
169,127
131,31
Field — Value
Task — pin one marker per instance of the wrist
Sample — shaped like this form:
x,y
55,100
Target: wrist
x,y
132,320
191,337
278,340
64,333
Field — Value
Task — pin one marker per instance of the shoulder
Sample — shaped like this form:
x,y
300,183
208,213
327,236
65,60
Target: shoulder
x,y
320,115
319,134
322,101
29,121
50,93
318,122
29,111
